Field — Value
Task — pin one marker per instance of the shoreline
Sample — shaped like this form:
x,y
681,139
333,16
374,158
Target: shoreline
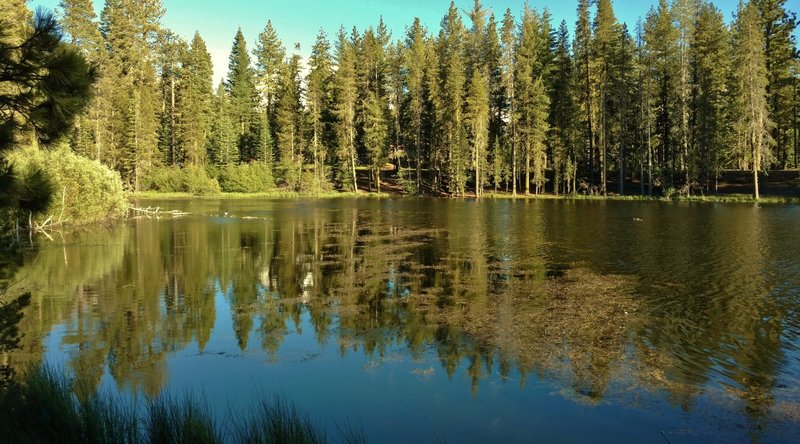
x,y
718,198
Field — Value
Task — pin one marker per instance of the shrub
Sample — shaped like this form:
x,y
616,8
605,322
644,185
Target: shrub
x,y
171,179
407,182
197,182
246,178
309,183
84,190
163,179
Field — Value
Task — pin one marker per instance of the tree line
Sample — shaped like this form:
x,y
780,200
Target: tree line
x,y
489,102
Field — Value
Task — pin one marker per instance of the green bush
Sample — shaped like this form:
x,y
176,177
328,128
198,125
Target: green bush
x,y
85,190
246,178
163,179
309,183
171,179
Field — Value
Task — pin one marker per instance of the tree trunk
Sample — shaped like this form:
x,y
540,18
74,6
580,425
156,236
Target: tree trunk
x,y
527,168
419,159
621,170
603,142
172,118
513,166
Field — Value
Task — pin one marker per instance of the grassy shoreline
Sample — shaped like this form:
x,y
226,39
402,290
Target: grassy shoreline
x,y
278,194
42,406
719,198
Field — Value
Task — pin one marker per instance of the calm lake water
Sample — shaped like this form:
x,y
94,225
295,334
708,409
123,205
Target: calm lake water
x,y
428,320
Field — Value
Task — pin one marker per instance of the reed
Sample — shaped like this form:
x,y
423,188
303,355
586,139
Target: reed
x,y
41,405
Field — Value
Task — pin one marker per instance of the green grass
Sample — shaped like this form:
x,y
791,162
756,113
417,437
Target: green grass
x,y
720,198
41,406
277,194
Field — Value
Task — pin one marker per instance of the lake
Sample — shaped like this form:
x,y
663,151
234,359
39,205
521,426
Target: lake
x,y
425,320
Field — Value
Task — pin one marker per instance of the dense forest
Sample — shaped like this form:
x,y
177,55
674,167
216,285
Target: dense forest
x,y
518,103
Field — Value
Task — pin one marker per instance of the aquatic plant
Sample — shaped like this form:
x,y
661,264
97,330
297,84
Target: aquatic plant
x,y
42,406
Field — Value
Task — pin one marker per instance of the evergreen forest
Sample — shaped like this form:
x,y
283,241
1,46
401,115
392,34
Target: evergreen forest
x,y
491,101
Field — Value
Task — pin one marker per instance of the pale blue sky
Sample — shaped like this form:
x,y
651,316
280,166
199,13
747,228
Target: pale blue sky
x,y
298,21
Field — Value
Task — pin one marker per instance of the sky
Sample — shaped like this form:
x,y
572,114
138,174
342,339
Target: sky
x,y
299,21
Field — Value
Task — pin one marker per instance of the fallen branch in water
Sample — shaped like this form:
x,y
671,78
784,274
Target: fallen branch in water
x,y
149,211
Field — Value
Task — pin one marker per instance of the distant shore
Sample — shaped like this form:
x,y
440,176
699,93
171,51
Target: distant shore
x,y
278,194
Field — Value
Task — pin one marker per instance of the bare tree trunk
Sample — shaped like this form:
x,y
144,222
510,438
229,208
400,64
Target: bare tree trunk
x,y
172,118
527,168
513,166
589,120
417,138
621,169
603,141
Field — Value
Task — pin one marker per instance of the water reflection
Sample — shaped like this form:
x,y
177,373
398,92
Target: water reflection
x,y
693,300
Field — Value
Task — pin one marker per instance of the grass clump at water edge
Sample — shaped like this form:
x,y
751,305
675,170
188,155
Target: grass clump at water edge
x,y
41,406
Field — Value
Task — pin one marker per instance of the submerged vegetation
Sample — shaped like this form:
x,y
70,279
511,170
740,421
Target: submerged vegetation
x,y
42,406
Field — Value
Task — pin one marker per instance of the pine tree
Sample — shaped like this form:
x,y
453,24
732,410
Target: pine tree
x,y
564,116
476,112
395,90
684,12
661,40
780,46
269,54
195,97
80,22
476,56
318,102
645,90
497,148
262,131
16,21
750,73
508,40
710,65
530,89
288,121
795,69
452,82
376,136
434,118
241,90
624,94
604,48
172,51
346,96
221,143
583,55
45,85
130,30
414,63
476,117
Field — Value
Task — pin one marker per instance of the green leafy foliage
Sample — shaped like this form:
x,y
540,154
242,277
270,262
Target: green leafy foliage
x,y
246,178
171,179
83,190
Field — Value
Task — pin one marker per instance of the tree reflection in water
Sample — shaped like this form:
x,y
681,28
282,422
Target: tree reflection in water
x,y
489,290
